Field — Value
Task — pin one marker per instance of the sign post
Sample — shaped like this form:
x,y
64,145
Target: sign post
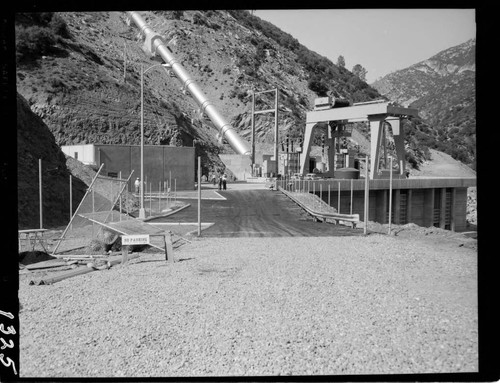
x,y
124,254
169,251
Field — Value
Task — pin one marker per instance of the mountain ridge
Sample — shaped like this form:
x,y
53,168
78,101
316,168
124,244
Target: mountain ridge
x,y
443,89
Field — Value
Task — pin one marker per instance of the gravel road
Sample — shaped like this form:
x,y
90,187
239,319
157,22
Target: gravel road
x,y
261,306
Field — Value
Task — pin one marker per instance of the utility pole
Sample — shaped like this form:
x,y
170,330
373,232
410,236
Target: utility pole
x,y
275,110
40,199
199,196
276,133
124,61
367,196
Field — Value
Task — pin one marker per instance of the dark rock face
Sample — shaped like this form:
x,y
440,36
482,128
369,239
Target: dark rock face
x,y
34,143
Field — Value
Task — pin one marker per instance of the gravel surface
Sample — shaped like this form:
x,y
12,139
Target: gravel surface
x,y
376,304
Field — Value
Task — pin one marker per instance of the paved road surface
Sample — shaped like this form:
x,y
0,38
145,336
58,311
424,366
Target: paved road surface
x,y
255,213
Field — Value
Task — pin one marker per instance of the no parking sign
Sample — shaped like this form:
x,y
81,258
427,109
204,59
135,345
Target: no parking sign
x,y
138,239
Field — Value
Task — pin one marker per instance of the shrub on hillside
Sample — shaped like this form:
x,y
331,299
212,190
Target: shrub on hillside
x,y
33,41
37,33
59,26
318,86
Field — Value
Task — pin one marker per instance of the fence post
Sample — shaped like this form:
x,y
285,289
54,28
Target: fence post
x,y
351,196
338,202
150,193
93,210
70,198
40,191
169,197
120,176
367,196
321,191
390,197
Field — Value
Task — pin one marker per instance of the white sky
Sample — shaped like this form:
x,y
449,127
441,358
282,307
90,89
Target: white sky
x,y
381,40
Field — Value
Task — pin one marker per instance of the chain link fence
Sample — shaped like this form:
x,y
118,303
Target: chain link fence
x,y
101,205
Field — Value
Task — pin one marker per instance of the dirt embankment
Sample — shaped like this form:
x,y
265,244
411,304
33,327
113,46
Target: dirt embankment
x,y
442,165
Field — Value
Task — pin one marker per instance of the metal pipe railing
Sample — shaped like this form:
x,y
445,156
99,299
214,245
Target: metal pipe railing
x,y
157,45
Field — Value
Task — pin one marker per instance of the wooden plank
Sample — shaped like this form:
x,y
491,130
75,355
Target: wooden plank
x,y
47,264
32,231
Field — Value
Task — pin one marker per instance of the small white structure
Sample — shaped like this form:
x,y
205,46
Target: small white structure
x,y
84,153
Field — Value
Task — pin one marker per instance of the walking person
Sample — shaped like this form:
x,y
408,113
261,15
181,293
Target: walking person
x,y
137,184
224,181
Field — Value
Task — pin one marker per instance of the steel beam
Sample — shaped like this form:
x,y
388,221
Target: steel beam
x,y
359,112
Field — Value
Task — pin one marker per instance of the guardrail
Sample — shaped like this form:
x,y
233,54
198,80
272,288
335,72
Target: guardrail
x,y
323,216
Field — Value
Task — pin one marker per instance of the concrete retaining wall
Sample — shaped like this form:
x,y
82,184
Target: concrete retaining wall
x,y
426,200
240,165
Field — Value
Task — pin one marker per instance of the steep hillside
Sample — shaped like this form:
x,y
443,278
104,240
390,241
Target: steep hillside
x,y
443,89
80,72
35,142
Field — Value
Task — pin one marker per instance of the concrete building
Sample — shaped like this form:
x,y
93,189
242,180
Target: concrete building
x,y
162,164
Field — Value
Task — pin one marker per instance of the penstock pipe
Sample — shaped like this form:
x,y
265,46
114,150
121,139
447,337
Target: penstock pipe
x,y
226,130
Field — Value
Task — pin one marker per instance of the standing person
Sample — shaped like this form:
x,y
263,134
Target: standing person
x,y
220,182
213,178
224,181
137,184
